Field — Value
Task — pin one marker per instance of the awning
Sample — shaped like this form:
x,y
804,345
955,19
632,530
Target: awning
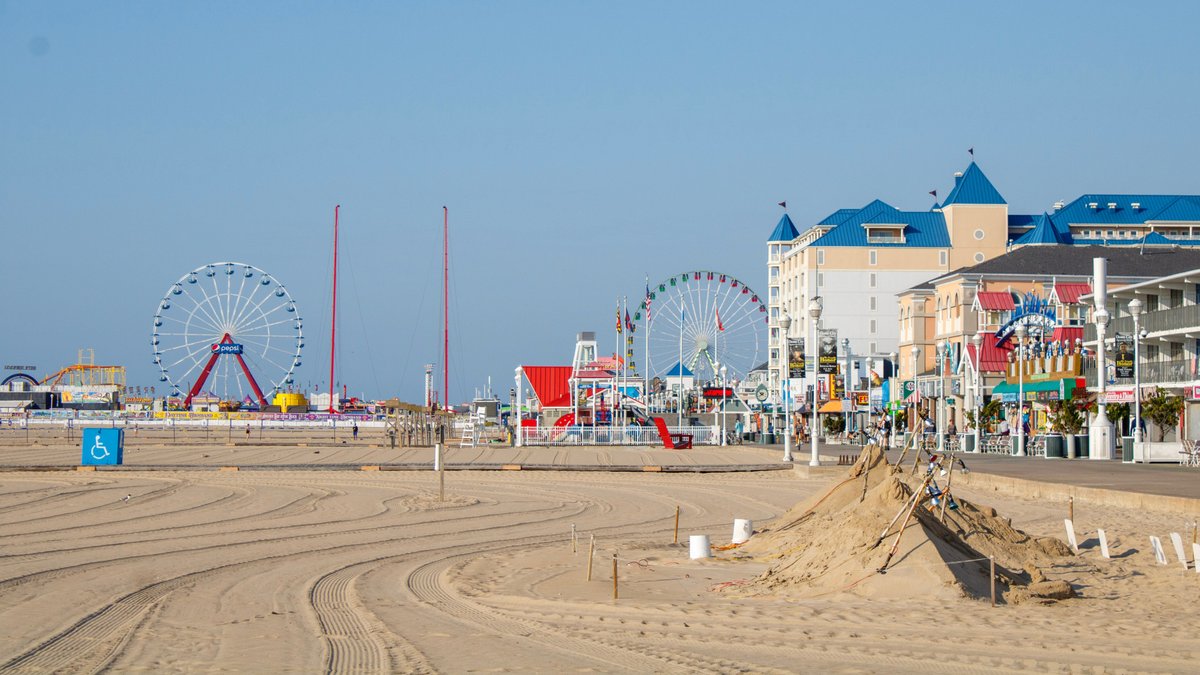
x,y
834,406
1045,390
15,405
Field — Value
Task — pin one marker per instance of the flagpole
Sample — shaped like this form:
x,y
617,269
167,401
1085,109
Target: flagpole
x,y
679,401
625,365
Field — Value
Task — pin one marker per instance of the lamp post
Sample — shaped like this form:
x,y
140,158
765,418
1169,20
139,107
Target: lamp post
x,y
847,392
941,409
869,363
785,391
892,395
977,403
814,311
721,370
1021,331
1100,436
1135,310
912,419
520,395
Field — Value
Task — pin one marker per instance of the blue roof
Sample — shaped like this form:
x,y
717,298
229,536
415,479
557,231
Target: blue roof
x,y
838,217
1152,239
973,188
1184,208
1043,232
674,371
1155,238
921,228
1020,220
785,230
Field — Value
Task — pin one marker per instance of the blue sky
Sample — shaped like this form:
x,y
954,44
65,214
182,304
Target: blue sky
x,y
579,146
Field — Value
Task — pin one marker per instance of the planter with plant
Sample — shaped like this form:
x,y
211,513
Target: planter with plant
x,y
1067,418
1163,410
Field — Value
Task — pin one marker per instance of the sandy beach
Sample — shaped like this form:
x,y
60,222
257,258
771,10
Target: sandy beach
x,y
362,571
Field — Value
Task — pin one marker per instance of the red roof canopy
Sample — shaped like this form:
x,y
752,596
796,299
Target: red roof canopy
x,y
995,359
1069,333
551,384
1068,294
995,300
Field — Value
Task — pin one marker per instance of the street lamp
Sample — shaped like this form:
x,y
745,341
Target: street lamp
x,y
1021,332
912,419
941,409
723,373
977,340
1135,310
869,363
814,311
786,383
892,395
520,396
1100,435
847,392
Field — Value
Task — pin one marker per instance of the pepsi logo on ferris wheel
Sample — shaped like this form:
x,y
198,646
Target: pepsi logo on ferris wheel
x,y
227,348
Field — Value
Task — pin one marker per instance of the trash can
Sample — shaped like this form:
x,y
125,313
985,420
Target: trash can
x,y
1127,448
1054,445
969,443
1081,446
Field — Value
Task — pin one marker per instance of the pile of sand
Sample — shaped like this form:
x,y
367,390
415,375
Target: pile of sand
x,y
836,542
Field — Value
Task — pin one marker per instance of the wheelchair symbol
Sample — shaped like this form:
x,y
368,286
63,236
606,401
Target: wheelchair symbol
x,y
98,447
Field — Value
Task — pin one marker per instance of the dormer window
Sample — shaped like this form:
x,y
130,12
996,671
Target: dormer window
x,y
884,234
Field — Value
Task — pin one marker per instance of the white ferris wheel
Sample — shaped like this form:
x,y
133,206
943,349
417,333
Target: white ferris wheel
x,y
230,329
714,319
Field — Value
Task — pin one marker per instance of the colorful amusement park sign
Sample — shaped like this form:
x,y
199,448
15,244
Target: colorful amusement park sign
x,y
1034,313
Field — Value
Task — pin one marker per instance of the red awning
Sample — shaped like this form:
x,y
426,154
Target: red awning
x,y
995,359
1068,333
1068,294
551,384
996,301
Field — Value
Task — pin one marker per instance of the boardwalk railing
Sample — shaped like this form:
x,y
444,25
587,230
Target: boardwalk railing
x,y
630,435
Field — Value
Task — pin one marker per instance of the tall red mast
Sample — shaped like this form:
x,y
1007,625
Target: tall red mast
x,y
445,307
333,320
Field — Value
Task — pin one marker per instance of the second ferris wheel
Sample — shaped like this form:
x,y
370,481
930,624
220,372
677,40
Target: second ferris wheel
x,y
714,319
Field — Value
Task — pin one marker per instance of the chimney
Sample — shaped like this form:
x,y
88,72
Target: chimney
x,y
1137,206
1112,206
1058,205
957,178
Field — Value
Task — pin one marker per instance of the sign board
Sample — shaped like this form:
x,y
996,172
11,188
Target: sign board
x,y
20,367
1159,556
1123,358
1119,396
103,446
1195,392
1103,544
907,387
796,362
1071,535
827,352
227,348
860,398
1177,542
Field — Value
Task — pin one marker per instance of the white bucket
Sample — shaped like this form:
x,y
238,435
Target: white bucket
x,y
742,529
699,547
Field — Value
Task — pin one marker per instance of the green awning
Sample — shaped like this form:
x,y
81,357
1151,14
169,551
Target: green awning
x,y
1048,389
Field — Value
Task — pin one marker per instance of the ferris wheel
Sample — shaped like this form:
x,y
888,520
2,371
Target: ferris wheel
x,y
231,326
719,319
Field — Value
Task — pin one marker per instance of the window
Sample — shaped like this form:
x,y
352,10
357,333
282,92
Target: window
x,y
875,349
979,257
942,257
820,279
979,234
774,273
1176,298
820,256
873,257
873,326
774,312
1151,352
1176,351
775,356
871,280
774,294
1151,302
774,333
872,303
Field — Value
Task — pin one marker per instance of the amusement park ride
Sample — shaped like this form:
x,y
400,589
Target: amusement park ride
x,y
231,310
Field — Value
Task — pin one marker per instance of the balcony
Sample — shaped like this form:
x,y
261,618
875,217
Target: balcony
x,y
1177,371
1177,319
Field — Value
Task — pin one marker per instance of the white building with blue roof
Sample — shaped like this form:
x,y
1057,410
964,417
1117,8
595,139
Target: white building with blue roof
x,y
858,259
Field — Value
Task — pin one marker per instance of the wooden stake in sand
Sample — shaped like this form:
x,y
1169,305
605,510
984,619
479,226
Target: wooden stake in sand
x,y
676,524
883,535
573,547
1071,509
1070,525
441,469
1177,542
992,575
614,575
591,554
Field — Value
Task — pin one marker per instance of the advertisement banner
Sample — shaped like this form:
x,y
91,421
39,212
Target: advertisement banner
x,y
796,357
1123,358
827,354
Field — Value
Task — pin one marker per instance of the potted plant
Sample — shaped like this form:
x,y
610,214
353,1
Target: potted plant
x,y
1163,410
1067,418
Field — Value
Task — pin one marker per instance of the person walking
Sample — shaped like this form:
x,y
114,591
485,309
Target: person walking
x,y
354,430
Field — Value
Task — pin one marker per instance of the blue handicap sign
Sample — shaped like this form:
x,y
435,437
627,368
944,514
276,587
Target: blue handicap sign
x,y
103,446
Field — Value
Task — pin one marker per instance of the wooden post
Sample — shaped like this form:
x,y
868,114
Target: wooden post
x,y
946,492
441,473
992,574
1071,508
573,547
676,524
614,575
591,554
